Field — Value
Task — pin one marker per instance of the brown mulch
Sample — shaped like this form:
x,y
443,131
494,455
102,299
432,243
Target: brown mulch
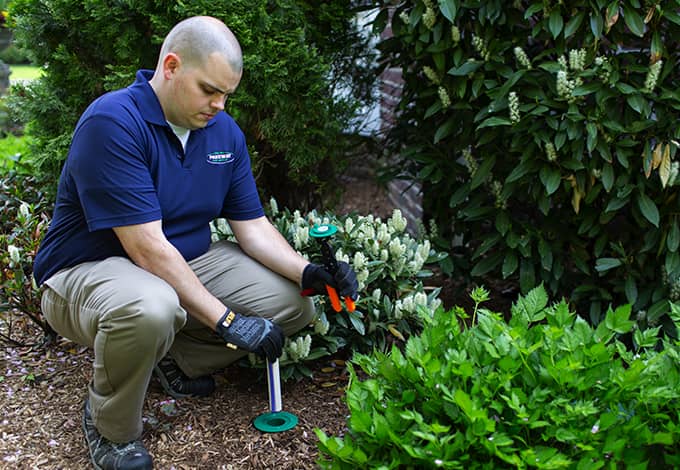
x,y
43,388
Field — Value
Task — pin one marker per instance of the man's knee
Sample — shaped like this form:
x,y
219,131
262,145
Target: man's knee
x,y
296,314
152,315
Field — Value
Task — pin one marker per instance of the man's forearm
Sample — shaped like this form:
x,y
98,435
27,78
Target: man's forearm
x,y
260,240
158,256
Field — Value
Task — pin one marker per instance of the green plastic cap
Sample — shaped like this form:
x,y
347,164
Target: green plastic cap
x,y
323,230
275,421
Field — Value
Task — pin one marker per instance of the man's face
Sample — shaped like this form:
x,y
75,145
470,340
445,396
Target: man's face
x,y
200,91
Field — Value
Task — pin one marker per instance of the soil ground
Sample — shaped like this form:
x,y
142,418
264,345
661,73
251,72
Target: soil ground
x,y
42,391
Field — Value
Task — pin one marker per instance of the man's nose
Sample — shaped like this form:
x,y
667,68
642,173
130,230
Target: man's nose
x,y
218,103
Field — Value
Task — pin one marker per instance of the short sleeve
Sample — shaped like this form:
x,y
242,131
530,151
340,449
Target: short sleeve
x,y
112,175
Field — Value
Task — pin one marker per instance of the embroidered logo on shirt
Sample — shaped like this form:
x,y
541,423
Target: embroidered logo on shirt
x,y
220,158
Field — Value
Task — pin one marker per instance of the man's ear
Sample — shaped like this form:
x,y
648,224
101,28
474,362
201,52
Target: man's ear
x,y
171,64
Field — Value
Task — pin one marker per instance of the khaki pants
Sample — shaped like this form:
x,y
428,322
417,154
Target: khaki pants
x,y
132,318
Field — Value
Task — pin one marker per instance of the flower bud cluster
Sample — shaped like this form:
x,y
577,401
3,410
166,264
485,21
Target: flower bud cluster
x,y
522,58
429,18
480,47
408,306
397,223
431,74
220,230
297,349
470,161
14,255
652,76
497,191
403,16
577,59
274,206
604,68
444,97
455,34
321,325
565,87
550,152
24,212
513,105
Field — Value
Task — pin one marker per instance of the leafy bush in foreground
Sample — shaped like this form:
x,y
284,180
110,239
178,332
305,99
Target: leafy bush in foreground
x,y
389,262
543,390
390,266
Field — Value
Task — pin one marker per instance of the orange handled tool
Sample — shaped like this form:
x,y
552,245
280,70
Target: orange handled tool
x,y
322,233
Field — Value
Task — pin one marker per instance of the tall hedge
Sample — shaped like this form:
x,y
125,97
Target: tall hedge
x,y
286,105
546,134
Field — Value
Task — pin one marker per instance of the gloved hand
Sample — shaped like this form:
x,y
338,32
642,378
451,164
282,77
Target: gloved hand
x,y
316,276
254,334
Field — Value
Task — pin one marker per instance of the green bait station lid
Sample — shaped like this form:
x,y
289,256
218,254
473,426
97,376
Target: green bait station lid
x,y
322,231
275,422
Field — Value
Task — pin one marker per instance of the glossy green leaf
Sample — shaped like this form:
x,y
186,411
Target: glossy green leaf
x,y
495,121
634,21
445,129
630,288
448,9
510,264
482,173
573,24
607,177
551,178
605,264
648,209
596,24
555,23
465,69
487,264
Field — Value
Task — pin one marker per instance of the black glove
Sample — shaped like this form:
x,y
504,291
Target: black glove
x,y
316,276
254,334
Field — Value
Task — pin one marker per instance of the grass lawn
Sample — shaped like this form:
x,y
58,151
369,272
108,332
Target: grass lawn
x,y
24,72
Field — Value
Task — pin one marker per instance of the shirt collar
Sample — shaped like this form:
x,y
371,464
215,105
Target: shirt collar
x,y
147,101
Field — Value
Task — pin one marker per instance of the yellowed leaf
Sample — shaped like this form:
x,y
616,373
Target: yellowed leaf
x,y
656,156
395,332
650,13
665,166
328,384
578,194
327,370
611,21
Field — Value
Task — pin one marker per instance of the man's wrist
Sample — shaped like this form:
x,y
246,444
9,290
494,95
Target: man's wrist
x,y
226,319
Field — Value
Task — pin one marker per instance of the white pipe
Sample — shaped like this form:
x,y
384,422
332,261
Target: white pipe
x,y
274,386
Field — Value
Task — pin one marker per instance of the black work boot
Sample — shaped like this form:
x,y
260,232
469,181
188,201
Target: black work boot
x,y
107,455
178,385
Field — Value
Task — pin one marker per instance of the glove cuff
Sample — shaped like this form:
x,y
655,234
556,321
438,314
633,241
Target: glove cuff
x,y
226,320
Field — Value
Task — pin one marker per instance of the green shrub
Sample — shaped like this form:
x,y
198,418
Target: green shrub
x,y
23,222
391,266
546,136
13,152
544,390
285,103
14,55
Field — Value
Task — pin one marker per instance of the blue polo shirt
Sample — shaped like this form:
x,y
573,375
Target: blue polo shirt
x,y
126,166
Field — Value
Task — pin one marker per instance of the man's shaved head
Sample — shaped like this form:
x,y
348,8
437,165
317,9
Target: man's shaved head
x,y
194,39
